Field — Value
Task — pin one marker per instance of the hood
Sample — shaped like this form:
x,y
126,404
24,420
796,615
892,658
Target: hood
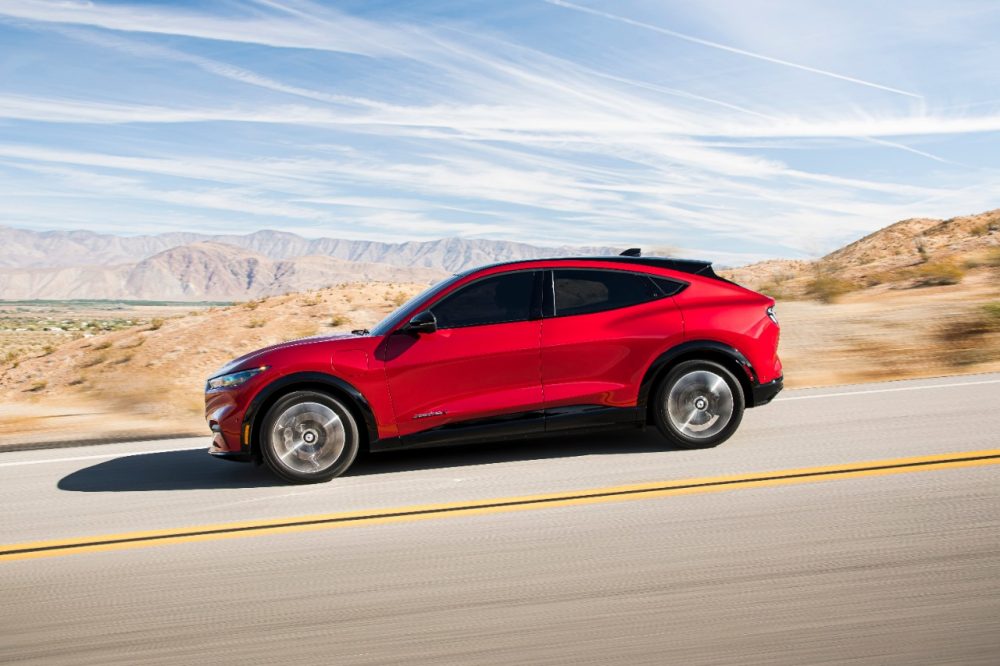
x,y
241,362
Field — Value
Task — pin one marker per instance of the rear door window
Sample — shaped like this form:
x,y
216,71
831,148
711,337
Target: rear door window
x,y
582,291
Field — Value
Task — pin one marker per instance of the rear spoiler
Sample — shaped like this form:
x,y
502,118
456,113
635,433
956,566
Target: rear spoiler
x,y
690,266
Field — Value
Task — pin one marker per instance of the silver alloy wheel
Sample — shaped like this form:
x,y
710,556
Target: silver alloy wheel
x,y
700,404
308,437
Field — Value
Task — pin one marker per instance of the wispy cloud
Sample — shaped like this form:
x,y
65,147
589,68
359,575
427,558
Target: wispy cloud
x,y
730,49
267,24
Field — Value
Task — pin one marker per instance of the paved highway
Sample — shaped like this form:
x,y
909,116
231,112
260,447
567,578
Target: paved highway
x,y
847,524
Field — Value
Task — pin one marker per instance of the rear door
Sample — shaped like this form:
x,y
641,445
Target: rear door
x,y
602,330
482,362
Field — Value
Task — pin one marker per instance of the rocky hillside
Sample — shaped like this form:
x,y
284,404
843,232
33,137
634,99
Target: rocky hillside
x,y
912,253
200,271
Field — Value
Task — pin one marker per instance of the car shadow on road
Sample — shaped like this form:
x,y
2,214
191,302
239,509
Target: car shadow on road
x,y
601,442
194,470
166,470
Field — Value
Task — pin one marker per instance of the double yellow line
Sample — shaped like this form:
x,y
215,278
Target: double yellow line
x,y
125,540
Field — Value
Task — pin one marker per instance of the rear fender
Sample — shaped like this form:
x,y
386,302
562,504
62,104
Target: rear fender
x,y
708,350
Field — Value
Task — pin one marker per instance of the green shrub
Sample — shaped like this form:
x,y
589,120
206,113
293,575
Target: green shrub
x,y
991,312
937,273
827,289
969,339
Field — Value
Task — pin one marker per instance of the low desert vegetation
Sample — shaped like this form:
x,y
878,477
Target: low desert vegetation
x,y
937,273
974,337
311,301
828,288
91,361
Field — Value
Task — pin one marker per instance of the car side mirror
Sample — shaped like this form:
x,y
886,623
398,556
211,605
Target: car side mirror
x,y
422,322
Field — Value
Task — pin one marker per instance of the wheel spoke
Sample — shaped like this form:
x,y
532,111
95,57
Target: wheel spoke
x,y
699,404
308,437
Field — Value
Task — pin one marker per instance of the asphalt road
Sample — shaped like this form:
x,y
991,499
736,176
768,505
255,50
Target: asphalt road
x,y
895,563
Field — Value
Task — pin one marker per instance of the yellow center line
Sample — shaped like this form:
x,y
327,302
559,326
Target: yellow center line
x,y
477,507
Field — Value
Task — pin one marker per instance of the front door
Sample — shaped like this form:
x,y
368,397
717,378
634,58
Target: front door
x,y
482,362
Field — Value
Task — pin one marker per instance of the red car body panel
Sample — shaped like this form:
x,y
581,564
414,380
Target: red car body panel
x,y
600,358
462,374
406,384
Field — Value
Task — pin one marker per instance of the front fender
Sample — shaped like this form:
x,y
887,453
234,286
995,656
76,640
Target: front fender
x,y
305,380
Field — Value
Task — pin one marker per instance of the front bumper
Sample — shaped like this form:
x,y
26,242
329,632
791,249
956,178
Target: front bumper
x,y
764,393
220,449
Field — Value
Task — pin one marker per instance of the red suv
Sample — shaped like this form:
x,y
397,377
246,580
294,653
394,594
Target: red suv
x,y
509,350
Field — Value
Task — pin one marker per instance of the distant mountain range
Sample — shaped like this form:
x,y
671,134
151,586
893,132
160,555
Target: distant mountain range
x,y
188,266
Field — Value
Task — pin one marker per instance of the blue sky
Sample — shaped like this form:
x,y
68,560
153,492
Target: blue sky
x,y
728,130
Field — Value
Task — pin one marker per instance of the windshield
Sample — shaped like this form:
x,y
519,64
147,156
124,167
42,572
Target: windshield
x,y
401,313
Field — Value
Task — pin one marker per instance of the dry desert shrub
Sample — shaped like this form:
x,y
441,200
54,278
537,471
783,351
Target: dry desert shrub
x,y
972,338
828,288
311,301
937,273
94,360
777,287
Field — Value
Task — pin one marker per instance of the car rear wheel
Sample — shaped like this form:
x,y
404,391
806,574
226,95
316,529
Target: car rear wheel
x,y
308,436
698,405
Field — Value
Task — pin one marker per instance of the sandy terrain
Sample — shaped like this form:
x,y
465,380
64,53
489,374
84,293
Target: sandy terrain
x,y
150,378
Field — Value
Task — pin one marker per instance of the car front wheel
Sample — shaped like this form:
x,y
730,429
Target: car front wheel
x,y
698,405
308,436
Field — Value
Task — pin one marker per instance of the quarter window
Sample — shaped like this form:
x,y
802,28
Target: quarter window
x,y
586,291
494,300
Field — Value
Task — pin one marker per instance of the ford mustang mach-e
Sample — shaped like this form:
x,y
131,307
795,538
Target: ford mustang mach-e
x,y
506,351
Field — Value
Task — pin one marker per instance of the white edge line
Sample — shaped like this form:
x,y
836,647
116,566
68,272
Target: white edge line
x,y
887,390
99,456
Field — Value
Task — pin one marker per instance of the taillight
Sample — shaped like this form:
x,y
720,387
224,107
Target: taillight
x,y
773,317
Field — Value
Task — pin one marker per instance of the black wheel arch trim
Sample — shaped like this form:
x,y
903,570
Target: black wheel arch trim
x,y
705,349
305,381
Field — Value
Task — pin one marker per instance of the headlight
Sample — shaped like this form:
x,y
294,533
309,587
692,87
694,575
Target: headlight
x,y
774,317
233,380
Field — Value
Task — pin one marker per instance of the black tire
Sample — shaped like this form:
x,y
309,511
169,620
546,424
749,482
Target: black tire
x,y
691,407
308,437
